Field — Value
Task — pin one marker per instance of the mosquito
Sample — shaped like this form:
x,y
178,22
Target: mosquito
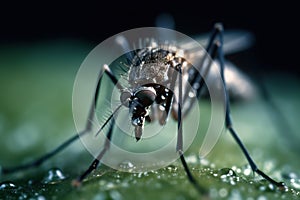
x,y
139,96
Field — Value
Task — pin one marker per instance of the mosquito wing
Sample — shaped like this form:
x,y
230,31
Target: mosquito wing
x,y
239,85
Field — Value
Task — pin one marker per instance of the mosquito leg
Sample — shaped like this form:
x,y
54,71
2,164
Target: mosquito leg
x,y
196,76
37,162
199,73
77,182
228,121
179,147
179,103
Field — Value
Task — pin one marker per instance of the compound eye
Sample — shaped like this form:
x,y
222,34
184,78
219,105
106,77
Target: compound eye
x,y
125,98
146,96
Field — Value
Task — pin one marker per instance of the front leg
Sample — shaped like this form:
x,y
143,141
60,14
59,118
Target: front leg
x,y
179,147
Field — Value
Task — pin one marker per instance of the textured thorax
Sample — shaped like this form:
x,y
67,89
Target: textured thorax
x,y
153,65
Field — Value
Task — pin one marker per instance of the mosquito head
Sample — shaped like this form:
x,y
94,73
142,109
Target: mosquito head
x,y
138,102
143,96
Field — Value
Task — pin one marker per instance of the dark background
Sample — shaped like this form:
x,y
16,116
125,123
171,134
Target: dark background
x,y
274,24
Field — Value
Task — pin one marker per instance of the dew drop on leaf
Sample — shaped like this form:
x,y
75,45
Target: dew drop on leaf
x,y
223,192
295,183
114,194
53,176
7,185
226,172
41,197
126,166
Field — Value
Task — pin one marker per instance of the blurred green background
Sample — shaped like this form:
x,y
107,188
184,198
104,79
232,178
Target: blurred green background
x,y
36,115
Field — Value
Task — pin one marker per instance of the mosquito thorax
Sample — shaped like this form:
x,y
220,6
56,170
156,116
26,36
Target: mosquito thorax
x,y
155,65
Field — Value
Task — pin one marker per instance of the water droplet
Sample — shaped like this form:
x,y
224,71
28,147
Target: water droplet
x,y
23,196
226,172
295,183
172,168
269,165
115,195
116,175
41,197
271,186
191,94
236,169
228,175
191,159
247,170
293,178
140,174
204,162
262,198
223,192
146,174
262,188
212,165
30,182
283,187
110,185
102,183
54,176
126,166
7,185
